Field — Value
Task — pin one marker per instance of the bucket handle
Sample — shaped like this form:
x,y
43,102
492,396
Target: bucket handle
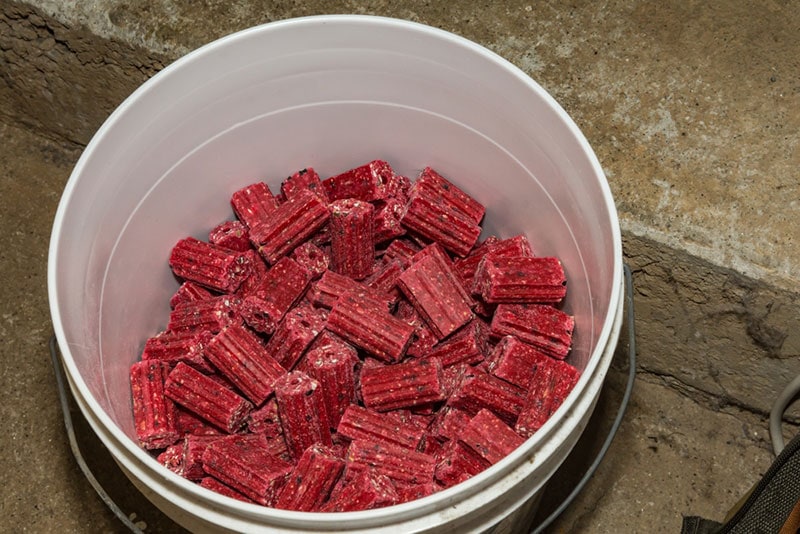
x,y
73,442
623,406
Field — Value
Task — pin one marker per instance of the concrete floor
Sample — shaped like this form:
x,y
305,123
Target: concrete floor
x,y
693,111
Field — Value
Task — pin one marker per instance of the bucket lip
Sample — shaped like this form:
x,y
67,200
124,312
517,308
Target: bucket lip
x,y
437,500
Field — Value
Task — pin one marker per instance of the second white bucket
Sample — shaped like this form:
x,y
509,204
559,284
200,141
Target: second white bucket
x,y
330,92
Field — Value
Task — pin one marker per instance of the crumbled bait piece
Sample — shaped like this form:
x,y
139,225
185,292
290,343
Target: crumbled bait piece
x,y
365,489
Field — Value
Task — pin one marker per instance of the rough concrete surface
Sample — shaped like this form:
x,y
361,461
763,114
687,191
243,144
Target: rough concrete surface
x,y
692,108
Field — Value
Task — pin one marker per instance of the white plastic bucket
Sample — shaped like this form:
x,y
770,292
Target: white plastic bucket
x,y
330,92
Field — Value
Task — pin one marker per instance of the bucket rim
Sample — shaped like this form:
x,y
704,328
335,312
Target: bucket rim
x,y
440,499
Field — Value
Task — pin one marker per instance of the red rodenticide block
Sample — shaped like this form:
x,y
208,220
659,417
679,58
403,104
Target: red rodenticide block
x,y
172,458
242,462
207,398
456,463
301,409
265,420
412,493
311,481
179,346
313,258
519,279
424,337
446,266
489,437
365,489
293,223
453,375
153,413
299,327
401,465
189,292
365,323
215,485
538,402
435,185
386,221
254,204
403,385
331,362
358,422
210,315
279,289
481,390
465,267
367,182
327,290
239,354
208,265
567,378
257,271
231,235
192,461
397,187
436,294
543,326
400,249
304,180
469,344
516,362
437,221
352,244
517,245
384,277
190,424
447,423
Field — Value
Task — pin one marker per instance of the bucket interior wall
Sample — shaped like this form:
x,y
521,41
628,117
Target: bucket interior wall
x,y
270,103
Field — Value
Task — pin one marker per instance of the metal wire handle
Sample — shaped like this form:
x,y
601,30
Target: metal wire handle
x,y
73,442
623,406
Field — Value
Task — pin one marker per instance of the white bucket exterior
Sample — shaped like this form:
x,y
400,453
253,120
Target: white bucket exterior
x,y
331,92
